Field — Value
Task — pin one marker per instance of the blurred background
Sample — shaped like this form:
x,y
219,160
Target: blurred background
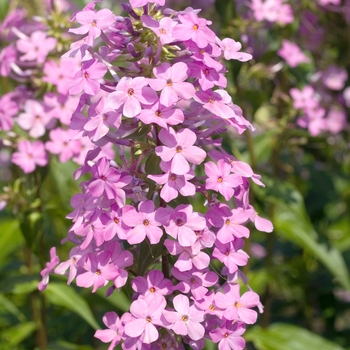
x,y
300,147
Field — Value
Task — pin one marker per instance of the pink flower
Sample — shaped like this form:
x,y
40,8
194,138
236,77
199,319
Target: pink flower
x,y
292,54
186,319
173,184
171,80
305,98
114,332
36,47
130,93
8,109
334,77
35,118
93,23
220,178
62,144
45,273
178,148
194,28
139,3
87,79
30,155
163,28
237,308
228,335
143,223
147,314
231,50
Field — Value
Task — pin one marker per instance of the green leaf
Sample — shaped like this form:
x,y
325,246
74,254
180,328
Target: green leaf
x,y
280,336
62,345
292,223
118,299
67,297
15,335
11,238
8,306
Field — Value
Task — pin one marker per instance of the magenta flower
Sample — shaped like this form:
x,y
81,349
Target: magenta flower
x,y
130,94
292,54
220,178
147,315
194,28
155,284
114,332
161,115
238,308
231,50
93,23
36,47
173,184
171,81
108,180
35,118
229,336
8,109
163,28
45,273
87,79
8,55
62,144
139,3
143,223
179,150
186,319
183,223
29,155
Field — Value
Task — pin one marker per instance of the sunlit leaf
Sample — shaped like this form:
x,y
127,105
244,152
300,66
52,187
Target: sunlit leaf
x,y
16,334
281,336
67,297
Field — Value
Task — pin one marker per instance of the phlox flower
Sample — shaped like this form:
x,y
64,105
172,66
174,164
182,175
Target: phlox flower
x,y
228,335
151,286
260,223
231,49
8,109
147,314
93,23
178,148
220,178
161,115
237,308
45,273
173,184
143,223
334,77
194,28
8,56
99,270
108,180
34,118
61,143
113,334
87,79
183,223
207,304
335,120
187,257
130,94
163,28
139,3
194,282
186,319
305,98
171,81
36,47
231,254
292,54
29,155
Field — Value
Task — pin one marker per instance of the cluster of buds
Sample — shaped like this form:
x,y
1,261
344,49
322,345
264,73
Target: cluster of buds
x,y
169,214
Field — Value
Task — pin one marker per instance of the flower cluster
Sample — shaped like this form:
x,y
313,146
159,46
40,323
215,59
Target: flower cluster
x,y
169,214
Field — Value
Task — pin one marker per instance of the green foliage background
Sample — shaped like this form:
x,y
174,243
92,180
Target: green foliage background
x,y
303,281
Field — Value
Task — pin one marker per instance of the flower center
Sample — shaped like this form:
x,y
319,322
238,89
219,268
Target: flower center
x,y
173,177
93,23
220,179
178,149
226,335
116,220
86,75
211,307
164,346
152,290
131,92
158,113
184,318
162,31
148,319
98,272
103,178
169,82
227,222
211,100
195,27
179,222
146,222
